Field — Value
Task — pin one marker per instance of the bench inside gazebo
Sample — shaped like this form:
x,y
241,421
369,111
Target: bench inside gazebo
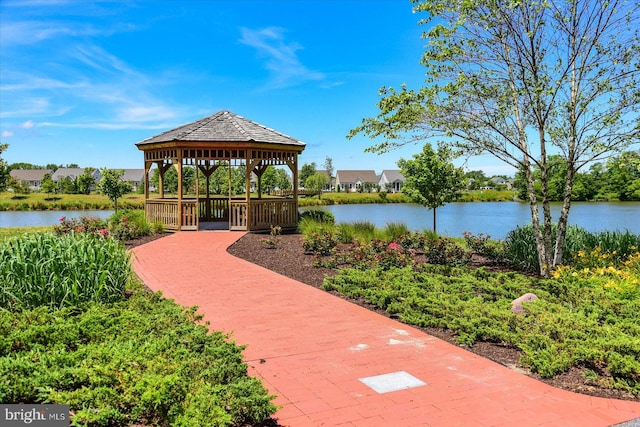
x,y
222,140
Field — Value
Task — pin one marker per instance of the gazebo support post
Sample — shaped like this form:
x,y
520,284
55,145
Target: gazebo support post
x,y
248,190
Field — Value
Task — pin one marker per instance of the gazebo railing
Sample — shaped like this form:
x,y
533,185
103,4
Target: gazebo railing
x,y
268,212
164,211
186,216
168,212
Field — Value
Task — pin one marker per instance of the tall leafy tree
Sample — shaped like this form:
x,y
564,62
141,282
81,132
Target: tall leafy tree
x,y
112,185
86,181
47,185
316,183
67,185
306,171
522,80
431,178
623,176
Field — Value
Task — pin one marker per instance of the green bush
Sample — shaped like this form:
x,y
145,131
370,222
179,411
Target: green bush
x,y
128,224
319,243
482,244
82,225
446,251
140,361
520,248
58,271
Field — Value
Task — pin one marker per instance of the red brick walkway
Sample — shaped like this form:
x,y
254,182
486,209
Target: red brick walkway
x,y
312,349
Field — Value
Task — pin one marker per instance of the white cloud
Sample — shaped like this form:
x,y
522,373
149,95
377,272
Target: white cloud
x,y
27,125
6,134
27,106
143,113
108,126
281,58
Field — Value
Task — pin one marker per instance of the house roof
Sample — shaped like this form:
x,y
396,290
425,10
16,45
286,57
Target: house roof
x,y
131,175
223,126
393,175
353,175
66,172
30,174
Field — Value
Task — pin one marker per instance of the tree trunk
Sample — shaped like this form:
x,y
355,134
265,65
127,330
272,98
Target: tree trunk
x,y
434,220
564,217
535,221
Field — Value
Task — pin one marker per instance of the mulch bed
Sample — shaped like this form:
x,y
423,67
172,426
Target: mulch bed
x,y
289,259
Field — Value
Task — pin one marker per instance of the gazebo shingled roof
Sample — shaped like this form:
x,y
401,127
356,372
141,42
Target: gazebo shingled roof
x,y
223,126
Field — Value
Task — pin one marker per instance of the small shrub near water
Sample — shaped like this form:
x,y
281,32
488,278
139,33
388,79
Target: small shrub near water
x,y
318,215
482,244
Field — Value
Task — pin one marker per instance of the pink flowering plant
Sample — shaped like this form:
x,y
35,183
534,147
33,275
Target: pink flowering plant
x,y
128,224
82,225
378,253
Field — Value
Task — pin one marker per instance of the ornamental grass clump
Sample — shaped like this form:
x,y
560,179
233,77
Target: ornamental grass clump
x,y
58,271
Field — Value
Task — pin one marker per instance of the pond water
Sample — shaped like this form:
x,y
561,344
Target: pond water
x,y
493,218
40,218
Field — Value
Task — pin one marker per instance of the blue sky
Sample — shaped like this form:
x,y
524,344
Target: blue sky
x,y
83,81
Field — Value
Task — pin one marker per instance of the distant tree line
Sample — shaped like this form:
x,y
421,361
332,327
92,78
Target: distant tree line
x,y
618,178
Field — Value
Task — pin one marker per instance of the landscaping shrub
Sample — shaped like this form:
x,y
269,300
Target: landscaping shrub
x,y
126,224
378,254
58,271
520,248
482,244
82,225
140,361
446,251
319,243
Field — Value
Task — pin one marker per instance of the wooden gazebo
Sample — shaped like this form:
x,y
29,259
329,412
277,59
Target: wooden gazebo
x,y
224,140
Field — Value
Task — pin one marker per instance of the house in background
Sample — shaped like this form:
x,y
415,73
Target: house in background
x,y
135,177
30,177
352,180
391,180
73,174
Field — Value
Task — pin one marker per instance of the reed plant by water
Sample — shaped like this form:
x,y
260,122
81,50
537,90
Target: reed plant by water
x,y
520,245
58,271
